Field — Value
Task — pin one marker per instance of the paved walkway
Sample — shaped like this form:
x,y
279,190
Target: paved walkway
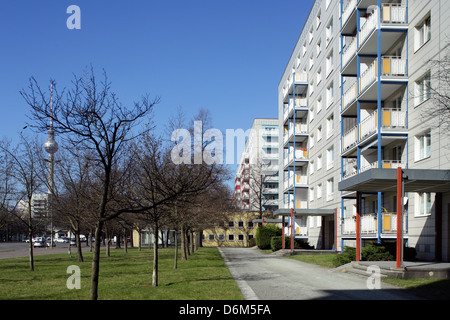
x,y
270,277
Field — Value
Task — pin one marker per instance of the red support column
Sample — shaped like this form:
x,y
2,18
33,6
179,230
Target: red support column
x,y
358,226
282,233
335,229
292,229
399,218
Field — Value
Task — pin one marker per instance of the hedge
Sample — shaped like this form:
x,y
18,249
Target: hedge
x,y
264,235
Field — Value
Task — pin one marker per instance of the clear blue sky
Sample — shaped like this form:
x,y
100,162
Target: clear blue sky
x,y
223,55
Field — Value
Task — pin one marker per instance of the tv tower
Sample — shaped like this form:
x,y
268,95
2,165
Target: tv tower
x,y
51,147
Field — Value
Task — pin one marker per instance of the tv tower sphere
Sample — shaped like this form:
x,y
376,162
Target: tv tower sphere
x,y
50,145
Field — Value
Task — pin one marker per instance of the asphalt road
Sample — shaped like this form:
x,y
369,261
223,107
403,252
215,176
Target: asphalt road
x,y
263,276
20,249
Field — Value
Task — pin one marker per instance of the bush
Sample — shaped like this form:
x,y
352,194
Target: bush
x,y
264,235
384,251
348,255
276,243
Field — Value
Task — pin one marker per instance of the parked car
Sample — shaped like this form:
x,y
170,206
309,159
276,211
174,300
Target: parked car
x,y
41,243
62,240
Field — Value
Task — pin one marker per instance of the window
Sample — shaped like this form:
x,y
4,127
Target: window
x,y
311,61
423,204
240,224
329,32
330,125
311,167
329,63
311,194
319,191
319,104
423,89
330,188
311,87
221,237
318,19
319,162
311,140
211,237
330,157
319,75
304,48
327,3
231,224
319,47
422,146
231,237
422,33
250,224
319,133
311,34
330,94
241,237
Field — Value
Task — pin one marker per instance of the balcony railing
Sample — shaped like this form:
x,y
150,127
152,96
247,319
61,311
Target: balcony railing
x,y
393,66
349,95
301,154
368,76
350,138
385,164
369,223
368,27
393,13
351,5
368,125
349,51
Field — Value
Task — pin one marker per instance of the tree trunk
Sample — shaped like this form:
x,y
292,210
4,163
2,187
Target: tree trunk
x,y
125,240
155,258
183,244
175,264
78,243
96,262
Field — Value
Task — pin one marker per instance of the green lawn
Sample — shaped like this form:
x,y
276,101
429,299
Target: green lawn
x,y
204,276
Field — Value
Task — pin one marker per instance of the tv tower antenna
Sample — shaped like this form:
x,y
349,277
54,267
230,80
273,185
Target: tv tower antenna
x,y
51,147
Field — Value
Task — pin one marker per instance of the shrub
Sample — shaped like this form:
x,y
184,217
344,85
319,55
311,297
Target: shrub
x,y
346,256
276,243
264,235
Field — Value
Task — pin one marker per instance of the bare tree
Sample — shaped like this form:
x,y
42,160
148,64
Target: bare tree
x,y
27,173
259,182
89,117
439,88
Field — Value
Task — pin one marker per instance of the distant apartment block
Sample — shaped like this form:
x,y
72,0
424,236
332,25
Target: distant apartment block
x,y
355,95
256,181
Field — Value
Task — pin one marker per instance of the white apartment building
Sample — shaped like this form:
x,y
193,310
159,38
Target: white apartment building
x,y
256,181
355,96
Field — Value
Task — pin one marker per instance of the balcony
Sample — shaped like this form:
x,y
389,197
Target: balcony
x,y
349,96
348,10
367,28
350,139
392,119
299,80
301,103
369,224
393,13
369,76
385,164
349,52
